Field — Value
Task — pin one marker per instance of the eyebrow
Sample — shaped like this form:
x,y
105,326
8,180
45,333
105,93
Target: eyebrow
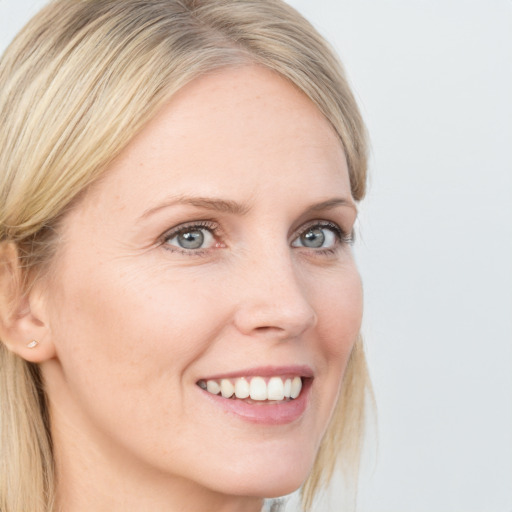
x,y
331,204
206,203
234,208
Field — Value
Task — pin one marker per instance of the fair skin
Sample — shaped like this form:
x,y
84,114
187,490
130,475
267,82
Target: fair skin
x,y
151,294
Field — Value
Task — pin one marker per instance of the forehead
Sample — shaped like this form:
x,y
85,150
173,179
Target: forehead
x,y
235,127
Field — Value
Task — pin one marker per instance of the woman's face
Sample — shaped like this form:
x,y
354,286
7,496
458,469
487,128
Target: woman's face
x,y
215,250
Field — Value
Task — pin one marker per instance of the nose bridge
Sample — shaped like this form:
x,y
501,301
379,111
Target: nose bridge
x,y
275,302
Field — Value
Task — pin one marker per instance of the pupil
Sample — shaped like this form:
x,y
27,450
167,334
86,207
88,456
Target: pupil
x,y
191,239
313,238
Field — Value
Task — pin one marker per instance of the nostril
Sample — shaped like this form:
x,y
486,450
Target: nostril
x,y
271,331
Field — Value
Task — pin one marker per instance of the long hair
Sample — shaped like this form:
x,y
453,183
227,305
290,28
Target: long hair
x,y
76,85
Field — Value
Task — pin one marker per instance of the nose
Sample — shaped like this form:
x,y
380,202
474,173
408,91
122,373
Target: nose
x,y
274,302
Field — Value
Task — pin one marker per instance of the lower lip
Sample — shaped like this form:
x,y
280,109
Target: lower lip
x,y
264,413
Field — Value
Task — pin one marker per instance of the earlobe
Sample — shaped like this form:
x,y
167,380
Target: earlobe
x,y
33,350
24,327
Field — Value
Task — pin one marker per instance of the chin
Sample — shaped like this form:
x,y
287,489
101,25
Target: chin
x,y
269,477
264,486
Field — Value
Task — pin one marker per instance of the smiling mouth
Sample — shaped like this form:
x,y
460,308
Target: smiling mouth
x,y
255,389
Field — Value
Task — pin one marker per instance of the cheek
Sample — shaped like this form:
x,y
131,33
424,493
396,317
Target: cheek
x,y
134,330
339,303
125,342
129,322
340,313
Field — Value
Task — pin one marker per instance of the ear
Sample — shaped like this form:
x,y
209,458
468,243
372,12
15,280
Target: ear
x,y
24,325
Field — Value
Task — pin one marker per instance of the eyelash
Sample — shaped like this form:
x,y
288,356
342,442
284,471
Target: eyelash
x,y
193,226
343,238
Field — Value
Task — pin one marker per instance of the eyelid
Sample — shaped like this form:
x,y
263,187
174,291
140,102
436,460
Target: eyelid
x,y
343,236
205,224
212,226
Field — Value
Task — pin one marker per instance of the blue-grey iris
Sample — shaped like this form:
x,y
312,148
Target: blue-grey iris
x,y
313,238
191,239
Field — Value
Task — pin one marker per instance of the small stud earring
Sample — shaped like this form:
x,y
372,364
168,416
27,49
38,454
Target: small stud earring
x,y
33,344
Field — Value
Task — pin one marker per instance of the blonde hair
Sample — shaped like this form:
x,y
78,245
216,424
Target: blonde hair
x,y
76,85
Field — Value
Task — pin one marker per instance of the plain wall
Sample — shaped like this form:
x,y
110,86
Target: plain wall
x,y
434,82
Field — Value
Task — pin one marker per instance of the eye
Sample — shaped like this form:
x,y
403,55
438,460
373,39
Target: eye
x,y
191,238
320,236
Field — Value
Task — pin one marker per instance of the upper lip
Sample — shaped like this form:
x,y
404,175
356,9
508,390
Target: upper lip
x,y
265,371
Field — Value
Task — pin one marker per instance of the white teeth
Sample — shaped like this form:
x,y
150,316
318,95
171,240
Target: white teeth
x,y
287,388
226,388
296,387
275,389
257,388
213,387
242,389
